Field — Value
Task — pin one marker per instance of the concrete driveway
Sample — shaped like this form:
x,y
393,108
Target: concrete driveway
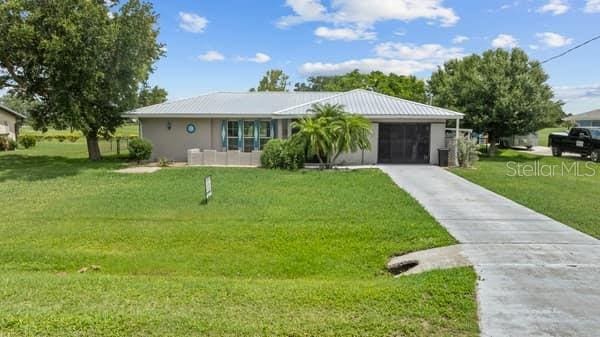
x,y
537,277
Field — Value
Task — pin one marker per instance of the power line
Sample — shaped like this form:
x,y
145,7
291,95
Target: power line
x,y
572,49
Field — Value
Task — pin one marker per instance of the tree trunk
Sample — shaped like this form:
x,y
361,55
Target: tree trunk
x,y
493,146
93,147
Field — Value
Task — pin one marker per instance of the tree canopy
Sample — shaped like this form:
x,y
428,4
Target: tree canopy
x,y
407,87
273,80
83,61
151,95
502,93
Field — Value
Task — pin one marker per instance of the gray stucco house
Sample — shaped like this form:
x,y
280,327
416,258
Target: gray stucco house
x,y
9,121
229,127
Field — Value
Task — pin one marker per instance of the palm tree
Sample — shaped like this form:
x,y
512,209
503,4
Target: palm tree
x,y
352,133
332,131
314,133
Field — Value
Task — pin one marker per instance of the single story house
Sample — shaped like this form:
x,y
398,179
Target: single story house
x,y
232,128
590,118
9,122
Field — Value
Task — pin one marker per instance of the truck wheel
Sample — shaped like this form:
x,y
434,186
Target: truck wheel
x,y
595,156
556,151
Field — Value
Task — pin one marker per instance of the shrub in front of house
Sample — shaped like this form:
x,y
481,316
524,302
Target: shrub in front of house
x,y
467,152
3,143
27,141
283,154
139,149
12,145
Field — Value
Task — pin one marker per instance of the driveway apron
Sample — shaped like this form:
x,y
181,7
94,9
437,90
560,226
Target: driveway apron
x,y
537,276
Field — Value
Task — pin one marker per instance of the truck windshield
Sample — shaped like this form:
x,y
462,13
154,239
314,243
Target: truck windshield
x,y
595,133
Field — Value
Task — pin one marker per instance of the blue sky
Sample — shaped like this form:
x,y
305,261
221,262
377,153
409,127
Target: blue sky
x,y
227,45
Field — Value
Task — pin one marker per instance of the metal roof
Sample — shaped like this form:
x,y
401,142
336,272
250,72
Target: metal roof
x,y
233,103
2,107
590,115
372,104
288,104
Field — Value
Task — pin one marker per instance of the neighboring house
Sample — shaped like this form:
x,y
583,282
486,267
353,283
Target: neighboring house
x,y
234,127
9,122
591,118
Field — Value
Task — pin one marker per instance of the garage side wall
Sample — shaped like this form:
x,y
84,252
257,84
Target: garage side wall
x,y
438,141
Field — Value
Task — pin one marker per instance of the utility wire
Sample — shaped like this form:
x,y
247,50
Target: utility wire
x,y
572,49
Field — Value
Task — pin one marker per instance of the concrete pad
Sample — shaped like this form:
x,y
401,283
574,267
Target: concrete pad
x,y
537,276
139,170
431,259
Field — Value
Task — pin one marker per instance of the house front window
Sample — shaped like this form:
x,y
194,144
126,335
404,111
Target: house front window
x,y
233,133
266,133
248,136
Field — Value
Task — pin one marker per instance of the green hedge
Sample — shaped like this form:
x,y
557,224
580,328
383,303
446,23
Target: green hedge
x,y
283,154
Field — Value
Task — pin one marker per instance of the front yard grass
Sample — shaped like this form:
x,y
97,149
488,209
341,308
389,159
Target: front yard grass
x,y
273,254
569,197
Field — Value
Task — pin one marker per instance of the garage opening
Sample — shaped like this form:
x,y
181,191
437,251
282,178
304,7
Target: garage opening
x,y
404,143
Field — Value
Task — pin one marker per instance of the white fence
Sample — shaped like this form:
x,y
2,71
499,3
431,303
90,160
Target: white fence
x,y
197,157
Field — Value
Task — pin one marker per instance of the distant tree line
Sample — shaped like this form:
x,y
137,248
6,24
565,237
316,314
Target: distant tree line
x,y
502,93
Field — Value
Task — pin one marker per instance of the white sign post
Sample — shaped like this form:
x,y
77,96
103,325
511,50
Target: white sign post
x,y
207,188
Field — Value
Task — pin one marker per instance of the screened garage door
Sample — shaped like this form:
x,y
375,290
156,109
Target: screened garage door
x,y
404,143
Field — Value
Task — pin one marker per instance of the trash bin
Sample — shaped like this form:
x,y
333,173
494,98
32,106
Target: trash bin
x,y
443,157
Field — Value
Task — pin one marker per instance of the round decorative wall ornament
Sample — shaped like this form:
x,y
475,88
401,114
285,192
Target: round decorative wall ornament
x,y
191,128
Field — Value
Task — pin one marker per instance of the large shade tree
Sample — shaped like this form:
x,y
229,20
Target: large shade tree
x,y
502,93
83,61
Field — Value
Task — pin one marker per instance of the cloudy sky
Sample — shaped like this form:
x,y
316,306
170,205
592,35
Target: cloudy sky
x,y
229,44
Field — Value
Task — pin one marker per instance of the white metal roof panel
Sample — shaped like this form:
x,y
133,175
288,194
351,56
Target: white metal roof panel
x,y
230,103
282,104
372,104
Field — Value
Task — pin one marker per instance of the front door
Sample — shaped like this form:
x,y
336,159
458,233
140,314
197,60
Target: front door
x,y
404,143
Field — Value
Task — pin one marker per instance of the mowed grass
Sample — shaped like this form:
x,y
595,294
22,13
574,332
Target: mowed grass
x,y
544,133
273,254
568,196
128,129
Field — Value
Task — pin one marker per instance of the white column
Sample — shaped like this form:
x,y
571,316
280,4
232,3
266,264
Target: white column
x,y
456,142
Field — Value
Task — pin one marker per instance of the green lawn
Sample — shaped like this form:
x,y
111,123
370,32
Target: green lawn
x,y
273,254
567,197
544,133
129,129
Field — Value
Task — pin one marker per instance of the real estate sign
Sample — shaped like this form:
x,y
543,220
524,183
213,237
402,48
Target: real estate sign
x,y
207,188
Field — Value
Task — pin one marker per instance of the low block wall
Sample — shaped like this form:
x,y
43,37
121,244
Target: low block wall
x,y
197,157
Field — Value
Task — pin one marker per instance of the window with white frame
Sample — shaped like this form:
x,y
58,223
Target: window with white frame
x,y
233,132
266,134
248,136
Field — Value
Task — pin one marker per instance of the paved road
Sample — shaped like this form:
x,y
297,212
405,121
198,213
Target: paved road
x,y
537,277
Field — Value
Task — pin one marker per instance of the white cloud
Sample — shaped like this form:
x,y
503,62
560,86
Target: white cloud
x,y
345,34
592,6
460,39
192,22
258,58
212,56
429,52
574,93
362,13
505,41
400,67
556,7
553,40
